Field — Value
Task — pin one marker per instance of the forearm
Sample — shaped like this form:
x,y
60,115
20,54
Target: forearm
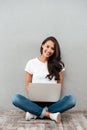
x,y
27,81
26,85
60,78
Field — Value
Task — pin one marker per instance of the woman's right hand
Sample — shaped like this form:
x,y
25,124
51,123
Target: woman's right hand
x,y
27,87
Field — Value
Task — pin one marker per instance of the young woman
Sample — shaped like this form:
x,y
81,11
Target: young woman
x,y
47,68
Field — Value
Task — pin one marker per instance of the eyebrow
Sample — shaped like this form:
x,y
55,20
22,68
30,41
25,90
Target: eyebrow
x,y
51,47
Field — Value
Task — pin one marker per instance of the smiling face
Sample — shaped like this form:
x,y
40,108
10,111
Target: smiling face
x,y
48,49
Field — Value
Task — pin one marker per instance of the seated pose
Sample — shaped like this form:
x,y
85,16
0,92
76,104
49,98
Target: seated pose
x,y
47,68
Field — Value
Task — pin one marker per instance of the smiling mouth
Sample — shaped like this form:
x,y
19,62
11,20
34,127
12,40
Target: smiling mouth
x,y
48,54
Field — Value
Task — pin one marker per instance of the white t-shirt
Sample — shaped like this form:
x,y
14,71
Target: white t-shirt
x,y
39,71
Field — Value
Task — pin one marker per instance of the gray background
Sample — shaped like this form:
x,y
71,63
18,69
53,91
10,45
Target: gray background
x,y
24,24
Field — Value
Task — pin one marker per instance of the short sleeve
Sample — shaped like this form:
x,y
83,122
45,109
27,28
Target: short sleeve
x,y
63,68
28,67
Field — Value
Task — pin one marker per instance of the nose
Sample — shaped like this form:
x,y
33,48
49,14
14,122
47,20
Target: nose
x,y
49,50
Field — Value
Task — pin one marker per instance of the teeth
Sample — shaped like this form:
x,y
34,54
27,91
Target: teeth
x,y
48,54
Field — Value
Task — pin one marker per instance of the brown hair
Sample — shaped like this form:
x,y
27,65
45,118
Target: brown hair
x,y
55,64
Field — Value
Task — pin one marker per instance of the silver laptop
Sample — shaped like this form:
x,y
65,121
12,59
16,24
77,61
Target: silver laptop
x,y
44,92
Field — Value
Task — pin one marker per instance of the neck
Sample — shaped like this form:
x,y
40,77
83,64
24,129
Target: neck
x,y
43,59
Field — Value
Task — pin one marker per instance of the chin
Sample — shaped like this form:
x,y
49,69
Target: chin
x,y
47,56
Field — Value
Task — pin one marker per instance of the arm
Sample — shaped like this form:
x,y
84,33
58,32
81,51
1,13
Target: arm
x,y
28,80
61,78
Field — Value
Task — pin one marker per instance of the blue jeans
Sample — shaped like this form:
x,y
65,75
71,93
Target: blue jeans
x,y
64,104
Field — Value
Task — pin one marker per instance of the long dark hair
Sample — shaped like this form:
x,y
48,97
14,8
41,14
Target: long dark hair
x,y
55,65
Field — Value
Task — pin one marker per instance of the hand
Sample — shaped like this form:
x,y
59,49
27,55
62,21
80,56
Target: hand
x,y
27,87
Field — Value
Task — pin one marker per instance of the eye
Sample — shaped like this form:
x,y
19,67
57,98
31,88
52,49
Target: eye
x,y
47,46
53,48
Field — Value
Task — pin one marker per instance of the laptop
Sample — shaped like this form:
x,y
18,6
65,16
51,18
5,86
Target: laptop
x,y
44,92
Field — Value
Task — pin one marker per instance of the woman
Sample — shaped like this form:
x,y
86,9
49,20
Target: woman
x,y
47,68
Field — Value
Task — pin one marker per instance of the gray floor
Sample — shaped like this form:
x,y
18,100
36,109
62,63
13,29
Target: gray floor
x,y
14,120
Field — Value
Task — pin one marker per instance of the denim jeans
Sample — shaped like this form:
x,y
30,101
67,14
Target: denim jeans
x,y
64,104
